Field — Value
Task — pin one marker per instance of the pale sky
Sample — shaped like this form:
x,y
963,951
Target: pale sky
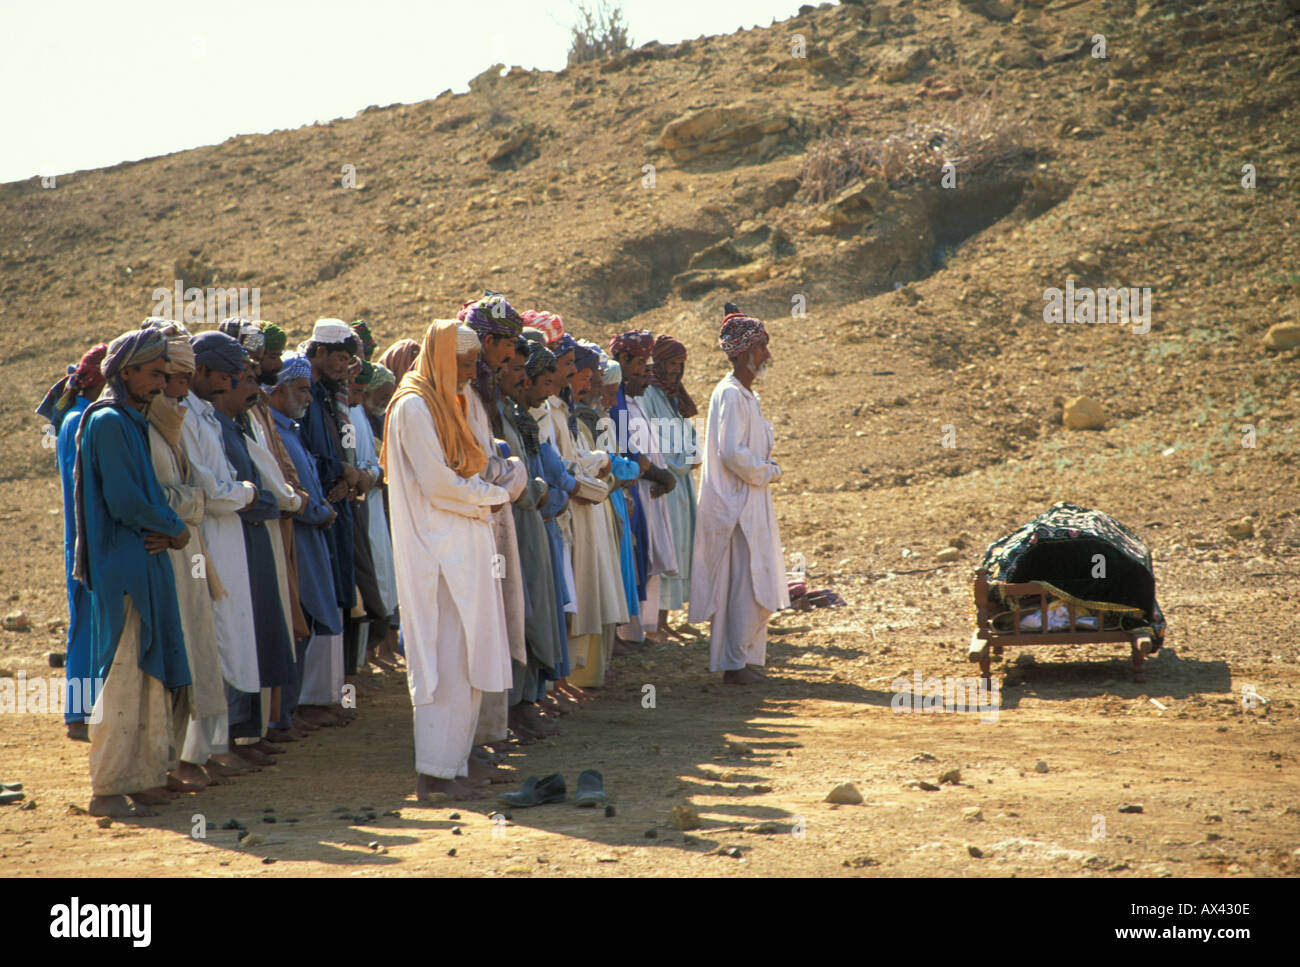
x,y
92,83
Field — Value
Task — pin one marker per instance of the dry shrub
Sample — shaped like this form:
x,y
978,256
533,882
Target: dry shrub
x,y
601,31
970,140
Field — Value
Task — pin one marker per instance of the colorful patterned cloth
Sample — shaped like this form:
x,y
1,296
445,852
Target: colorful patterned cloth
x,y
1084,552
638,342
741,333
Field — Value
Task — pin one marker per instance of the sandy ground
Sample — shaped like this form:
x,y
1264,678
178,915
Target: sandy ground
x,y
1213,777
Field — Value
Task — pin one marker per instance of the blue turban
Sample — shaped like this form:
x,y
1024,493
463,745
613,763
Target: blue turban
x,y
216,350
295,367
565,344
539,359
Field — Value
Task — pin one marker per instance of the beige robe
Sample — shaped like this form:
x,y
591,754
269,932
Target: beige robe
x,y
193,595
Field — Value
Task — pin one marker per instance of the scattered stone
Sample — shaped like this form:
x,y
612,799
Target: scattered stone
x,y
391,812
453,815
57,659
652,833
269,819
252,839
233,824
846,794
948,554
1084,413
974,851
927,786
452,852
17,621
735,852
606,859
858,862
1214,818
373,844
1283,335
28,805
1040,766
973,814
1131,807
103,822
923,757
739,748
762,789
951,777
268,860
1241,529
609,811
684,817
455,831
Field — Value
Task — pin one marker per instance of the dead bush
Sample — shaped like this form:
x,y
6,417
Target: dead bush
x,y
601,31
969,139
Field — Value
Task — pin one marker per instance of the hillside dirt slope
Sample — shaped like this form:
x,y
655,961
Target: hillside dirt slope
x,y
904,316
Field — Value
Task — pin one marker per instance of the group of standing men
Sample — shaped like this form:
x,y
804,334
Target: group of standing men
x,y
247,527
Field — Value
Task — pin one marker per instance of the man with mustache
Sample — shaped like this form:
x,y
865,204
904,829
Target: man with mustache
x,y
124,525
738,577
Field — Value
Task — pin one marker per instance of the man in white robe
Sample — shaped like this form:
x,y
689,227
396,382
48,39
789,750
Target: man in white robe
x,y
738,576
453,621
218,361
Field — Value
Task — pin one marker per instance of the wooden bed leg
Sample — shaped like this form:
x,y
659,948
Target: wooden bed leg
x,y
979,651
1141,648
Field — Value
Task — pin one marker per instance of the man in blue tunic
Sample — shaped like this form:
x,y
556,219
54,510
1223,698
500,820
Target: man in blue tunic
x,y
330,351
124,524
274,645
289,402
62,409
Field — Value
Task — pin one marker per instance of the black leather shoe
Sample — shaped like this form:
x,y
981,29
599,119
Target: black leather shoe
x,y
591,789
551,789
525,796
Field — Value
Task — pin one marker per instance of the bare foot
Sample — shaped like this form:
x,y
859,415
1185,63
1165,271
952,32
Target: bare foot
x,y
191,773
758,670
318,715
485,772
118,807
229,764
282,735
427,786
193,784
79,732
301,725
268,748
742,676
152,797
217,778
250,754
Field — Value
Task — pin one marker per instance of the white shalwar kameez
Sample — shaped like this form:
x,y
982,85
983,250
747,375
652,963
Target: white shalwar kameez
x,y
738,575
453,622
223,533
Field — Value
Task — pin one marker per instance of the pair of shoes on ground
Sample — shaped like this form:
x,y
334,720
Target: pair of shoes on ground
x,y
549,789
10,793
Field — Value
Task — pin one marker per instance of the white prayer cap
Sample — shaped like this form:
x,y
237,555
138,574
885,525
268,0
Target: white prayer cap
x,y
331,331
466,339
613,374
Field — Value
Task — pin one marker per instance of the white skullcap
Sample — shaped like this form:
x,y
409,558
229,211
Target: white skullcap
x,y
331,331
466,339
613,374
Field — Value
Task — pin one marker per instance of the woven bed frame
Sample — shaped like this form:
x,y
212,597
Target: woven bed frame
x,y
987,643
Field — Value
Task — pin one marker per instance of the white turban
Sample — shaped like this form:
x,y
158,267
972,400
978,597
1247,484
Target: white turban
x,y
331,331
466,339
613,374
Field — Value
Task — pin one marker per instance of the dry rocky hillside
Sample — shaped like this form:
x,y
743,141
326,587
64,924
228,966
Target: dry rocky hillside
x,y
918,396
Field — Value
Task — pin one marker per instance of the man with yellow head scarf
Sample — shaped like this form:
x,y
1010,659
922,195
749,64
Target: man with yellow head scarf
x,y
453,621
